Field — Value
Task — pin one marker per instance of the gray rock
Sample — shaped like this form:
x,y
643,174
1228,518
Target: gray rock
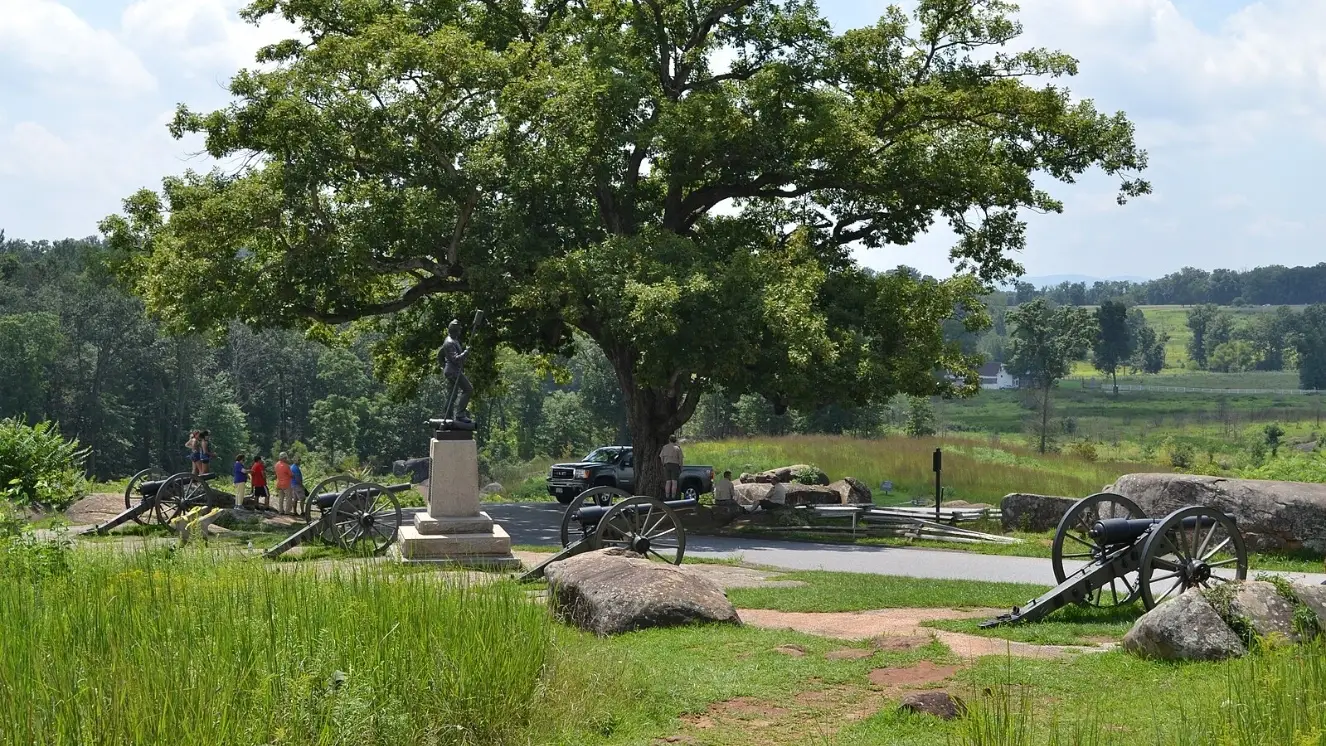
x,y
493,488
750,494
1266,610
608,593
810,494
1024,512
1185,628
1313,597
1271,515
942,705
853,491
1306,447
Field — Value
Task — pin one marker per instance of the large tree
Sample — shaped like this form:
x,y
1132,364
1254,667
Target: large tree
x,y
683,181
1044,343
1113,346
1310,344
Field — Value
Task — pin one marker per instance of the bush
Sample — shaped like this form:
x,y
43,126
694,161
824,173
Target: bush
x,y
920,421
1085,450
38,468
1181,455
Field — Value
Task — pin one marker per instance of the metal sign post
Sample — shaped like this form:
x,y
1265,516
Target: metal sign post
x,y
939,491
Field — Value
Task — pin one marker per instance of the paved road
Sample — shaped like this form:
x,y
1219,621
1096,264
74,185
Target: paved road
x,y
538,523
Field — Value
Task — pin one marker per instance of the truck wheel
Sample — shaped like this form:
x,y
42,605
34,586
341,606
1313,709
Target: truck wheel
x,y
564,499
689,491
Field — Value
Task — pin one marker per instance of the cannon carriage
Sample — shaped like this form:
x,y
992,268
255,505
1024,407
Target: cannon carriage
x,y
360,517
607,517
1127,556
152,497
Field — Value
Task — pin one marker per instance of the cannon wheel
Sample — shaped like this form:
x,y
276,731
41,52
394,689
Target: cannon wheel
x,y
603,496
338,483
644,525
1072,542
177,495
365,519
131,496
1176,557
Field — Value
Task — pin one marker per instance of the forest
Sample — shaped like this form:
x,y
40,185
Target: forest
x,y
77,349
1271,285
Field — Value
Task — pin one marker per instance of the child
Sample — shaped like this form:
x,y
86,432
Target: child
x,y
259,473
241,477
283,482
297,485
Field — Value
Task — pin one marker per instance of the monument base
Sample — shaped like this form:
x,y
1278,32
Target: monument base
x,y
488,549
434,525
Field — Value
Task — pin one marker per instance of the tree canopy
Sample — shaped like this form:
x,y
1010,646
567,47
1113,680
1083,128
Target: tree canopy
x,y
1114,343
1043,345
683,181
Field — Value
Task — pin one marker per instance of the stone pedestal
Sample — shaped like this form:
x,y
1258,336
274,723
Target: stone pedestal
x,y
454,530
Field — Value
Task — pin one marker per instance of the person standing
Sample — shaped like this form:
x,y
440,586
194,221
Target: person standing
x,y
195,454
241,478
672,459
452,357
283,481
297,485
204,451
259,474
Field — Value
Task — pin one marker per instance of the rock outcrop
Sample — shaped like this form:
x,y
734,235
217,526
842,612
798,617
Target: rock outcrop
x,y
1024,512
609,592
1186,628
942,705
853,491
1271,515
786,474
1260,606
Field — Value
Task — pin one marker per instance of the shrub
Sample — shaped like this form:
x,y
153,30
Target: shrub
x,y
809,475
38,468
1085,450
920,421
1181,454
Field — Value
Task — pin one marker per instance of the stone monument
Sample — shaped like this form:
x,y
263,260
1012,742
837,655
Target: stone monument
x,y
454,530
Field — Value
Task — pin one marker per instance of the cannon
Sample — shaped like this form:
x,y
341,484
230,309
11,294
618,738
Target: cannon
x,y
151,497
360,517
606,517
1130,556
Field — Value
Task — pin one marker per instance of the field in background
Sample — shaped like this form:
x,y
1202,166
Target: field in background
x,y
974,469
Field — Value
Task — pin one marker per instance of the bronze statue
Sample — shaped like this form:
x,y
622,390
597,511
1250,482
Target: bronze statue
x,y
452,359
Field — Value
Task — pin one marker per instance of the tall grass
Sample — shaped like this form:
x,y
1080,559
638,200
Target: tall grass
x,y
186,649
973,469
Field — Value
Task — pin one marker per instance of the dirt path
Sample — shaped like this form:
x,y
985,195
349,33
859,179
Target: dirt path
x,y
905,624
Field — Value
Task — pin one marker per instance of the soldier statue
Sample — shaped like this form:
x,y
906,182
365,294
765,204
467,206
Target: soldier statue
x,y
452,359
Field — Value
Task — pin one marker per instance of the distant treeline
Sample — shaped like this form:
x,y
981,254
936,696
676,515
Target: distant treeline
x,y
1274,285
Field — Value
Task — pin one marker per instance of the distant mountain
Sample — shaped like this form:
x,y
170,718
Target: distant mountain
x,y
1052,280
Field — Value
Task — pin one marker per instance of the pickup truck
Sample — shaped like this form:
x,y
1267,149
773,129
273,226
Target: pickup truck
x,y
614,466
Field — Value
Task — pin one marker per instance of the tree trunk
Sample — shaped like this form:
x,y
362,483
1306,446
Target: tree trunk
x,y
1045,416
1115,374
652,414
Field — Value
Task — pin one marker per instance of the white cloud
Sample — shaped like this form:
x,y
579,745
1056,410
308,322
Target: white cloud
x,y
207,36
53,48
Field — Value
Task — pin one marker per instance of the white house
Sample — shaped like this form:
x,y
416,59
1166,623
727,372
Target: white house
x,y
996,376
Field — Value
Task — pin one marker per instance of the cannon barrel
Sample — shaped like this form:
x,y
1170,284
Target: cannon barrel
x,y
590,515
1113,531
327,499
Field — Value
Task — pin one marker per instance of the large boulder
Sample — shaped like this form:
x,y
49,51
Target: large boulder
x,y
785,474
1271,515
608,592
751,494
1185,628
941,704
810,494
1259,605
853,491
1025,512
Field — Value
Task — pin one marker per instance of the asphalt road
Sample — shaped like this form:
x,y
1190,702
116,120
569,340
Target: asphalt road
x,y
538,523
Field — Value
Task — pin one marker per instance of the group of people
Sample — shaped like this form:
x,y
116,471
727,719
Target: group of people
x,y
290,490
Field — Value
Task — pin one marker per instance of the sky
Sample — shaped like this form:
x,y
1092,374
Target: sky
x,y
1228,96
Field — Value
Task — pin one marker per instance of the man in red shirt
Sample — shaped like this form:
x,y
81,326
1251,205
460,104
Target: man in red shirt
x,y
258,478
283,483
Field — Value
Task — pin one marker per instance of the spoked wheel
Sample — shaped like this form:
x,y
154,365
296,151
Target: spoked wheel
x,y
1195,547
132,497
365,519
331,485
601,496
177,495
1073,542
645,526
